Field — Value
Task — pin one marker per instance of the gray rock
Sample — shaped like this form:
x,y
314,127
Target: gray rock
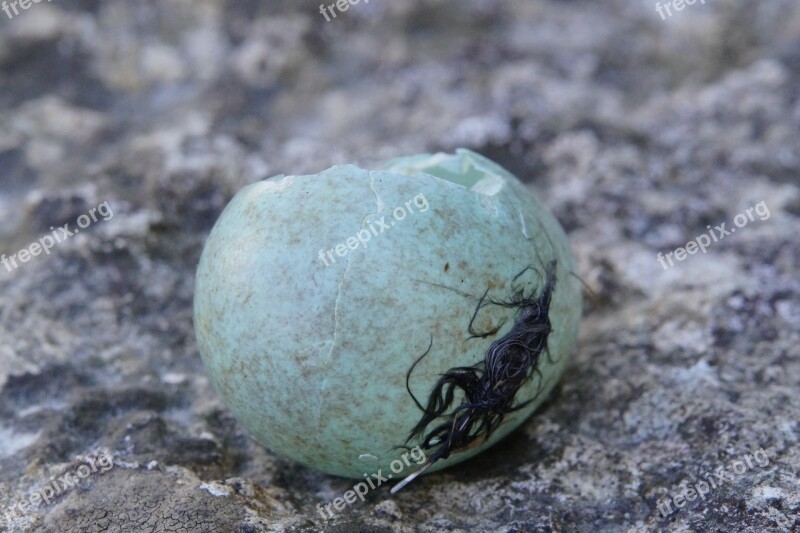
x,y
638,133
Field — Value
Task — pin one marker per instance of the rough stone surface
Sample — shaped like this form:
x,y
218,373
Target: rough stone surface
x,y
637,132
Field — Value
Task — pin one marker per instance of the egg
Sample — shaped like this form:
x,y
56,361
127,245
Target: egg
x,y
315,295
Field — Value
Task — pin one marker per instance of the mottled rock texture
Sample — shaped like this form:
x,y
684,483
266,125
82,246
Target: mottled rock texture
x,y
638,132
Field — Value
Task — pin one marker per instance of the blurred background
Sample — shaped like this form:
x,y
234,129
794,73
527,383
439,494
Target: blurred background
x,y
637,128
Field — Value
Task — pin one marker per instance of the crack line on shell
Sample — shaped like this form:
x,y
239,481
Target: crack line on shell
x,y
379,207
522,222
333,343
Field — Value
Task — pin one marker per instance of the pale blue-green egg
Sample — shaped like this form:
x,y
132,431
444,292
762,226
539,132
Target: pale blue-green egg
x,y
315,295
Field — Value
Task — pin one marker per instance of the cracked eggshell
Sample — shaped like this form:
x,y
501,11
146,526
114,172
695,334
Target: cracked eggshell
x,y
312,359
